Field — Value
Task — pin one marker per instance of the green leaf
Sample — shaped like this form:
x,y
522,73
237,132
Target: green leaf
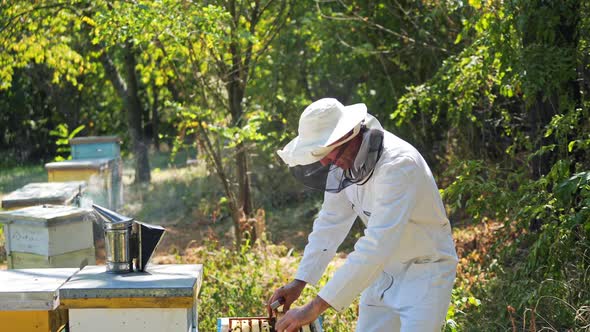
x,y
475,3
76,131
570,146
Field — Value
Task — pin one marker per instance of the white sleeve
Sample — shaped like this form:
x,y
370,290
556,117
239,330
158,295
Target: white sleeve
x,y
329,230
395,197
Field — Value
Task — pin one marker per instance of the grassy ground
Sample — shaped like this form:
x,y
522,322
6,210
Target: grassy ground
x,y
16,177
187,201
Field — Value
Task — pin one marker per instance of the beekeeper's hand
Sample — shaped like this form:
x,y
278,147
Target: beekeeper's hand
x,y
295,318
290,293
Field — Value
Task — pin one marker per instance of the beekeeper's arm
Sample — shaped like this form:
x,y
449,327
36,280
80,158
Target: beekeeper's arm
x,y
329,230
395,196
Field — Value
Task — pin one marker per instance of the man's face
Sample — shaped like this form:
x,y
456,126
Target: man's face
x,y
344,155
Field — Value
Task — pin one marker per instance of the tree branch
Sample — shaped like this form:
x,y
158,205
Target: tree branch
x,y
113,74
276,26
357,18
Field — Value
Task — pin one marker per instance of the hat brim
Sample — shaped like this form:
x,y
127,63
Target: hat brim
x,y
296,154
355,114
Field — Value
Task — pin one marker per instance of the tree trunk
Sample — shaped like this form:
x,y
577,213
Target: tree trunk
x,y
128,93
134,112
235,94
539,116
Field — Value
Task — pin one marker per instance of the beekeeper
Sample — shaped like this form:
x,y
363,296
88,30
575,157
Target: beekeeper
x,y
404,265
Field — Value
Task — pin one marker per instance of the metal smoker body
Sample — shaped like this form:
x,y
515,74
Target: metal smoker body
x,y
129,244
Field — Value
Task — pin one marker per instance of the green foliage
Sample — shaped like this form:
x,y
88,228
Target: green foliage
x,y
63,137
238,283
12,178
517,147
493,93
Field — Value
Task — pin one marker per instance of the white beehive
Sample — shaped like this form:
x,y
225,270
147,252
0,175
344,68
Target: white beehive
x,y
163,298
48,236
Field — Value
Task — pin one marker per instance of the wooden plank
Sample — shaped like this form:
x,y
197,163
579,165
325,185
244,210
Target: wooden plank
x,y
128,302
44,215
95,150
50,241
28,238
39,193
95,139
95,164
71,174
23,260
32,289
130,320
69,238
34,321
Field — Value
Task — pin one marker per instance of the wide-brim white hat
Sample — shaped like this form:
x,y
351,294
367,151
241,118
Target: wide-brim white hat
x,y
321,124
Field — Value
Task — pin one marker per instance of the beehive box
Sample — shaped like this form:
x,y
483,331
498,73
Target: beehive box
x,y
39,193
164,298
260,324
48,236
29,300
97,147
96,172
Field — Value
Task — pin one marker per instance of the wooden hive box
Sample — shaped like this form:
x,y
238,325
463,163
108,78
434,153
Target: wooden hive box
x,y
96,172
29,300
48,236
97,147
39,193
163,298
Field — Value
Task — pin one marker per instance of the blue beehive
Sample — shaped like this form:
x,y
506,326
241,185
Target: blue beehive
x,y
99,147
95,147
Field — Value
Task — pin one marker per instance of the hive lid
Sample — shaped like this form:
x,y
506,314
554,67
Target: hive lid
x,y
161,281
94,139
45,215
98,163
32,289
39,193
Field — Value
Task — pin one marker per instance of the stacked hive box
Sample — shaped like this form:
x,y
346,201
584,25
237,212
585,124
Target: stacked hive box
x,y
97,161
99,147
163,298
48,236
96,172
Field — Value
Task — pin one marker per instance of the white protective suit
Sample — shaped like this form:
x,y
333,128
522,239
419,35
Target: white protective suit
x,y
405,263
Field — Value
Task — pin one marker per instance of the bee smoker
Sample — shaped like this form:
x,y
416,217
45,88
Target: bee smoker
x,y
129,244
